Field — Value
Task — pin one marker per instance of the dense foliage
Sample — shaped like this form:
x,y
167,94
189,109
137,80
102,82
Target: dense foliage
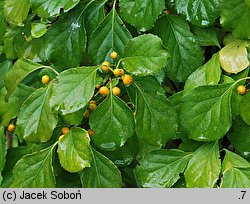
x,y
128,93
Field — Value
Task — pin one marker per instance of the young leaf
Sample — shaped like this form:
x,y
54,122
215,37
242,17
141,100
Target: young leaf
x,y
140,13
74,150
245,108
35,118
102,173
113,123
161,168
186,54
65,40
238,133
236,171
233,57
21,69
3,151
201,13
35,170
152,109
208,74
50,8
235,15
205,114
144,55
110,35
69,96
16,11
204,167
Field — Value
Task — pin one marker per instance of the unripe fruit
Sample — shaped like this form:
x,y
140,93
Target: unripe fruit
x,y
104,91
241,89
86,114
11,128
105,66
127,79
45,79
117,72
113,55
92,106
65,130
60,138
116,91
91,132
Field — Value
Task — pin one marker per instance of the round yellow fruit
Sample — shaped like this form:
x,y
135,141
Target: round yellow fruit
x,y
113,55
11,128
241,89
65,130
45,79
127,79
104,91
116,90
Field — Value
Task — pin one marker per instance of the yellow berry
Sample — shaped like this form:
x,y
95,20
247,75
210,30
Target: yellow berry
x,y
11,128
91,132
92,102
117,72
116,90
65,130
122,71
104,91
92,106
127,79
60,138
113,55
241,89
86,114
97,86
45,79
105,66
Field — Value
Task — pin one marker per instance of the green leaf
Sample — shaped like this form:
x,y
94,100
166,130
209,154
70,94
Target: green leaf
x,y
102,173
234,56
144,55
35,118
239,136
152,109
234,178
38,29
74,150
69,96
140,13
74,118
113,123
21,69
245,108
236,171
204,167
3,151
2,23
94,15
186,54
110,35
124,155
65,40
35,170
50,8
161,168
201,13
21,93
4,68
235,15
205,114
206,36
16,11
208,74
